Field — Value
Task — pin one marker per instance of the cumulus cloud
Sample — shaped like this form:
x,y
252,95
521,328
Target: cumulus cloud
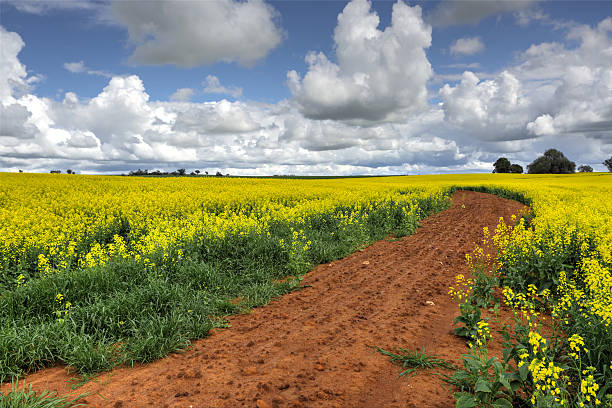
x,y
579,81
554,90
378,73
182,95
519,113
14,122
457,12
199,32
495,109
212,85
467,46
12,71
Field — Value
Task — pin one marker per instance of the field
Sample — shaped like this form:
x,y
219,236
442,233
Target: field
x,y
98,271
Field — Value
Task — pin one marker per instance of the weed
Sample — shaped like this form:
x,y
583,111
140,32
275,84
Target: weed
x,y
415,360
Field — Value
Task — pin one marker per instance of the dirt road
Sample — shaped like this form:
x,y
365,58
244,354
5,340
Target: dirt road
x,y
311,348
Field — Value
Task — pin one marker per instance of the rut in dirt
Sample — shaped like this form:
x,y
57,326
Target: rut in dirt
x,y
312,348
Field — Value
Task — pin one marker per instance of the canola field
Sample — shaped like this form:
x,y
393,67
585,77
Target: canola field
x,y
97,271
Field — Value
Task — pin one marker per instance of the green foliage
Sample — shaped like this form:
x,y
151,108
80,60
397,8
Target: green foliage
x,y
516,168
128,311
502,165
585,169
608,163
27,398
469,317
553,162
483,382
413,360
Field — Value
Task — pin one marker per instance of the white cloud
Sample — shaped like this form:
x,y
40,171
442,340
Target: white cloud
x,y
467,46
518,113
182,95
12,71
212,85
459,12
80,67
495,109
75,67
199,32
554,90
378,74
579,81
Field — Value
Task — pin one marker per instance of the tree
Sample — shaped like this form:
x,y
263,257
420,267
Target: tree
x,y
516,168
197,172
502,165
69,171
219,174
181,172
585,168
552,162
608,163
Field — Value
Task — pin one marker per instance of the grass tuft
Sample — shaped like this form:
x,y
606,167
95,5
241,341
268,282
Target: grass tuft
x,y
27,398
414,360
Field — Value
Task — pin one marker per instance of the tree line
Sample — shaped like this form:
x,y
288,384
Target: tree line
x,y
551,162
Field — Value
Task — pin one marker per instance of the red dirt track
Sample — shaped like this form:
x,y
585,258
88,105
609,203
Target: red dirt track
x,y
310,348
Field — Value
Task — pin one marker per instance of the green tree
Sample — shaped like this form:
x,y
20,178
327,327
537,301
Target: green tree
x,y
585,168
552,162
608,163
516,168
502,165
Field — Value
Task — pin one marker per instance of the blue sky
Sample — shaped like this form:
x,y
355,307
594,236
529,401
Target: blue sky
x,y
447,87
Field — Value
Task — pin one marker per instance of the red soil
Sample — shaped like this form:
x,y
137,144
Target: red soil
x,y
310,348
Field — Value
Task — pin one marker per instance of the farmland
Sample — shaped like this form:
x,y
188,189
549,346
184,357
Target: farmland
x,y
106,271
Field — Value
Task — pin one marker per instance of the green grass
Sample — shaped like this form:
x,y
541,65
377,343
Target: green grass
x,y
27,398
412,361
124,312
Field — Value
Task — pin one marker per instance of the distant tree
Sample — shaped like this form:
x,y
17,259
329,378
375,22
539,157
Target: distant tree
x,y
608,163
21,171
197,172
552,162
69,171
181,172
55,171
516,168
205,172
502,165
585,168
219,174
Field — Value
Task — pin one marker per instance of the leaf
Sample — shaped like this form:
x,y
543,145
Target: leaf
x,y
523,372
482,385
465,400
461,375
505,383
502,403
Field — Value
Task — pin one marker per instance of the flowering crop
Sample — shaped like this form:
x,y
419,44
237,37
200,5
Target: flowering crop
x,y
165,255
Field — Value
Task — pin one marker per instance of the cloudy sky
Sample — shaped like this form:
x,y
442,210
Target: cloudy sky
x,y
302,87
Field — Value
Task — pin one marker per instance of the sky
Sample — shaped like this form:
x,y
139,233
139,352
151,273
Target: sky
x,y
321,87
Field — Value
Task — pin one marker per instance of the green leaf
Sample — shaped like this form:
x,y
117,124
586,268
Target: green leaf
x,y
465,400
523,371
482,385
502,403
461,375
505,383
